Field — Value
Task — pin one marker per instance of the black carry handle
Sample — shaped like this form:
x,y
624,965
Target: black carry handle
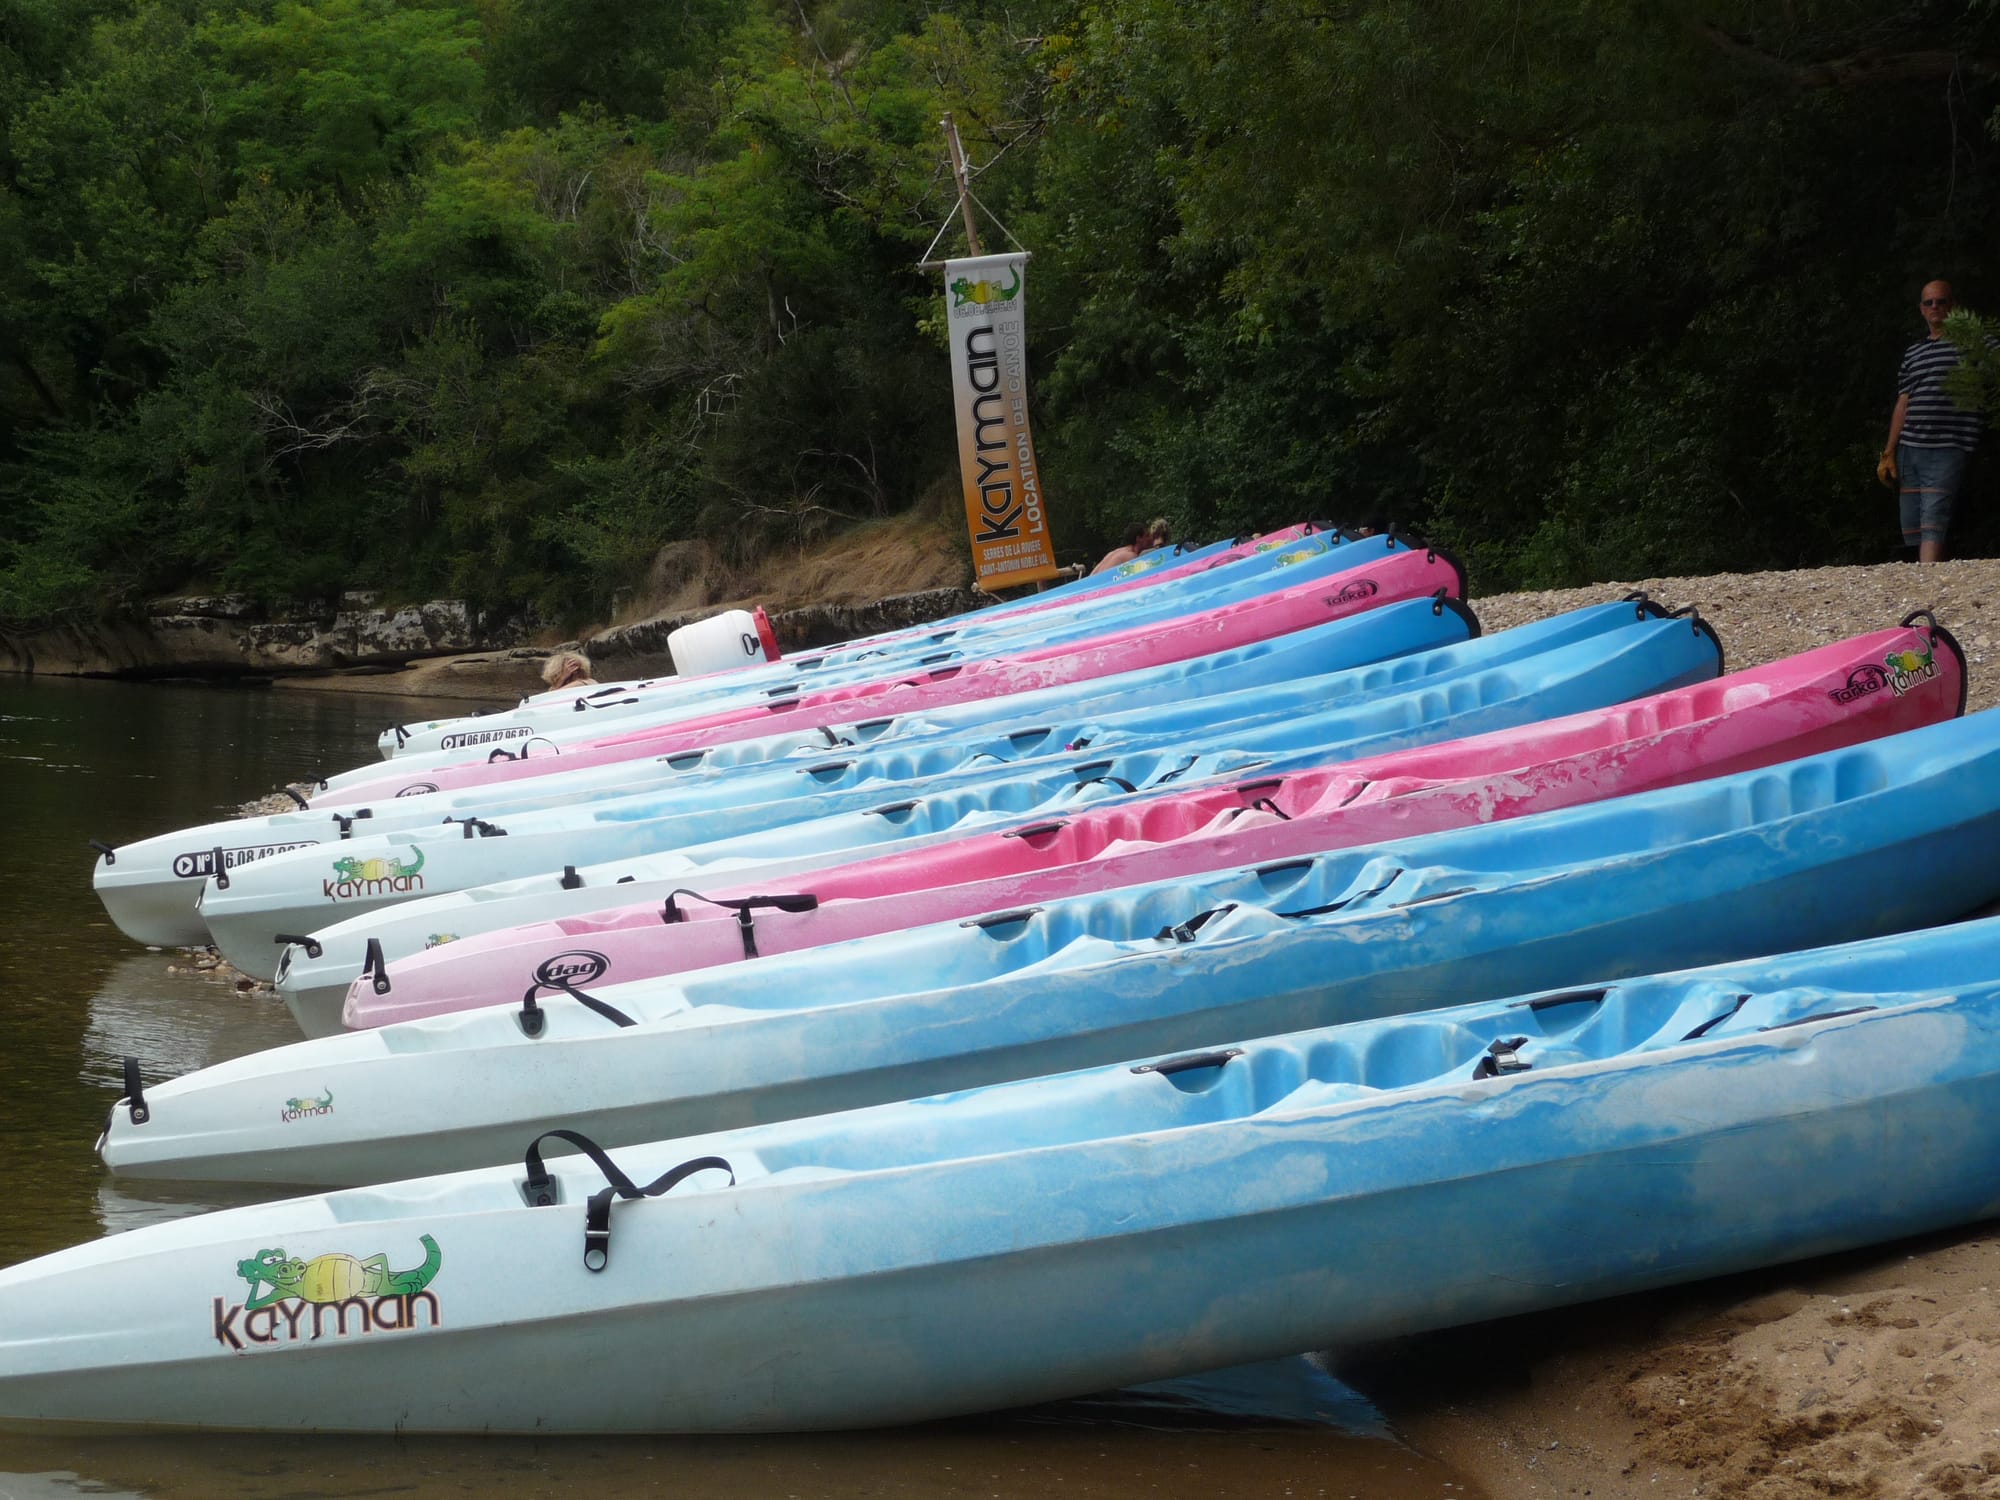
x,y
534,1020
375,967
313,949
135,1093
539,1189
109,852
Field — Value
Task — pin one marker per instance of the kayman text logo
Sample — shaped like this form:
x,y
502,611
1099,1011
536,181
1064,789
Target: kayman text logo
x,y
565,970
1860,683
1010,496
483,737
202,862
1361,588
305,1109
417,789
1910,669
373,877
983,293
292,1300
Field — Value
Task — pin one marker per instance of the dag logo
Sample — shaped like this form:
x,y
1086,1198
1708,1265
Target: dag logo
x,y
567,970
417,789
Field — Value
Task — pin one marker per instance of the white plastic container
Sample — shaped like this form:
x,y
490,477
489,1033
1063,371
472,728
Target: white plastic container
x,y
734,638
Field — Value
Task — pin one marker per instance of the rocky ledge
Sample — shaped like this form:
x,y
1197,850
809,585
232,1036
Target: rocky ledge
x,y
233,635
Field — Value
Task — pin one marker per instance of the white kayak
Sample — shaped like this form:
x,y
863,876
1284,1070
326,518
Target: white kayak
x,y
1068,1234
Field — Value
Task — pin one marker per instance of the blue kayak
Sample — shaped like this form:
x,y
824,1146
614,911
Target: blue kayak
x,y
290,894
1047,1238
1856,842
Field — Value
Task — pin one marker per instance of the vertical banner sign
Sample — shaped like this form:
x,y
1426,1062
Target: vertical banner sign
x,y
986,310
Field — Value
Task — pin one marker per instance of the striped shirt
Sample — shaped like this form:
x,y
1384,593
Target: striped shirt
x,y
1934,420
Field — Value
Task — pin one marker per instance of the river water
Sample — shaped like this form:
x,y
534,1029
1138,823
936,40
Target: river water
x,y
118,761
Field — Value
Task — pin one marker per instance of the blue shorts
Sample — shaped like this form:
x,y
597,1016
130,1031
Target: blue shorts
x,y
1930,477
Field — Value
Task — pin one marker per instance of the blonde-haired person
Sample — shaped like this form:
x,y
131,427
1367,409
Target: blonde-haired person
x,y
1160,532
567,669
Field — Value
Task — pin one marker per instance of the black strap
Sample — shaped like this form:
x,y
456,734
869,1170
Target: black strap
x,y
375,967
534,1020
294,795
109,851
1177,772
746,925
570,879
1320,911
313,949
484,828
1503,1056
348,820
135,1093
539,1189
1716,1020
1118,781
1184,932
220,873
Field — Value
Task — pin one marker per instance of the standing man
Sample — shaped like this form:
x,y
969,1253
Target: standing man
x,y
1930,437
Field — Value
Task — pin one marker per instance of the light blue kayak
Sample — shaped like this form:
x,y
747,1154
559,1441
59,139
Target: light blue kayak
x,y
563,718
149,886
1852,843
1048,1238
292,894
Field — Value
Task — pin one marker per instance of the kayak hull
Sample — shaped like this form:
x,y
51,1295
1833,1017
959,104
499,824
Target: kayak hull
x,y
1128,1224
1878,838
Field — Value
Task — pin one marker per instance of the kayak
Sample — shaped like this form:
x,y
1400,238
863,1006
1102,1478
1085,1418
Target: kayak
x,y
296,894
1406,574
1380,699
1748,719
571,717
1129,1223
1852,843
149,887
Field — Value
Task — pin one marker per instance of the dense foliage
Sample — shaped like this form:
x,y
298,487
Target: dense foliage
x,y
496,296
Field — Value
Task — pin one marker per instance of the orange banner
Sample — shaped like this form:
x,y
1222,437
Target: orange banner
x,y
1005,510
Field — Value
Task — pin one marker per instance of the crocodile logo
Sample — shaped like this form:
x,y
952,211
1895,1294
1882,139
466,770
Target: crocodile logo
x,y
1910,669
1298,554
301,1109
373,877
984,293
439,939
290,1299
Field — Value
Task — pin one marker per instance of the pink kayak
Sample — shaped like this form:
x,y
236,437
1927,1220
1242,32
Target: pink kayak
x,y
1854,690
1405,574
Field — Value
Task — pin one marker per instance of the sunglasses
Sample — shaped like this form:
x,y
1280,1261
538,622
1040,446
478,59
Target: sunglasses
x,y
1937,302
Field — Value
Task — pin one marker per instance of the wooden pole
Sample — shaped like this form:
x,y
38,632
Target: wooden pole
x,y
958,175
